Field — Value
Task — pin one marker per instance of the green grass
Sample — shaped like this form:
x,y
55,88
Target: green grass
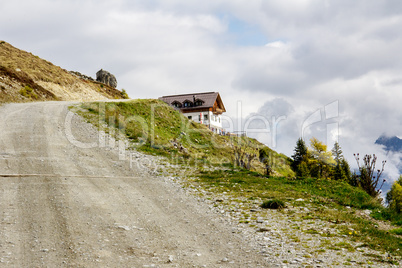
x,y
397,231
327,197
346,246
320,191
387,214
156,128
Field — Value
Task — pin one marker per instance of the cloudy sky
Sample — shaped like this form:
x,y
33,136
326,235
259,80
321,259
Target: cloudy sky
x,y
309,67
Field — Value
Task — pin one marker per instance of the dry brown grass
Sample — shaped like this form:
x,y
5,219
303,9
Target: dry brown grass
x,y
19,69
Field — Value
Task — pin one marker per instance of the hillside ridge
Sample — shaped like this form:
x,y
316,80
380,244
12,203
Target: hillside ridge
x,y
25,77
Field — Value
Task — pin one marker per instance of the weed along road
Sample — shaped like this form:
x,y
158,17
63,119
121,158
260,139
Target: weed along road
x,y
64,205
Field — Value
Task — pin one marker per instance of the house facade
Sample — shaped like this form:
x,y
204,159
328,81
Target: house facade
x,y
204,108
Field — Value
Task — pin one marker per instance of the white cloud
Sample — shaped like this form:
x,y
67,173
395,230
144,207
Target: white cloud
x,y
276,44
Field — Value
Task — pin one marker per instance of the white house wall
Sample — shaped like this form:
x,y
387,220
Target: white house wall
x,y
214,121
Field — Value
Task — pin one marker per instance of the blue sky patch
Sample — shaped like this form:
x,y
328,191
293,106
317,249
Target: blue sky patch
x,y
245,34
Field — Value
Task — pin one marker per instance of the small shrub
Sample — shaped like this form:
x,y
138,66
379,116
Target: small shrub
x,y
273,204
394,196
124,94
28,92
265,158
368,179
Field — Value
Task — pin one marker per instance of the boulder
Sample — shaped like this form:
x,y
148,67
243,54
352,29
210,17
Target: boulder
x,y
106,78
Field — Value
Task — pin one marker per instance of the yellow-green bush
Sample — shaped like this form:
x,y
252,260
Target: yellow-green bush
x,y
394,196
28,92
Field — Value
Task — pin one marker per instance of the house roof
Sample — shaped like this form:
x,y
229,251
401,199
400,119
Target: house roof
x,y
208,98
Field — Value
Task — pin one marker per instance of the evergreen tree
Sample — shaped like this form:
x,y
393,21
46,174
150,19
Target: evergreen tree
x,y
342,169
337,153
347,175
300,154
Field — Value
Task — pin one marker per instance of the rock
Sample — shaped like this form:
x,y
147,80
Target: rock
x,y
300,200
170,259
367,212
82,76
124,227
106,78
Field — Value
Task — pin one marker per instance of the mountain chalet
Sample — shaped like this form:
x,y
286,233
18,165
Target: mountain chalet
x,y
204,108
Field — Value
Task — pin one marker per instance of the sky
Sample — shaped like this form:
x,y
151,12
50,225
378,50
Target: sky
x,y
330,69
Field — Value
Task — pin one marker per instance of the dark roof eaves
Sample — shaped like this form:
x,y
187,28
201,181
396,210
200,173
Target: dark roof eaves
x,y
189,94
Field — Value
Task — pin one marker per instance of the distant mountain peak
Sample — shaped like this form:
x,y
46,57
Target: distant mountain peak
x,y
393,144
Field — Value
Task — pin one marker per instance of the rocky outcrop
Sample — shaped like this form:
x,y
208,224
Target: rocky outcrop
x,y
106,78
82,76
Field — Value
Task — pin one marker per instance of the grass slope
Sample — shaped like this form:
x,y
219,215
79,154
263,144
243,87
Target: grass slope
x,y
332,201
156,128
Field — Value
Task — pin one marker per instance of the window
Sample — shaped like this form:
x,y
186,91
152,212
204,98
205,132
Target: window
x,y
190,117
199,118
188,104
205,117
198,102
176,104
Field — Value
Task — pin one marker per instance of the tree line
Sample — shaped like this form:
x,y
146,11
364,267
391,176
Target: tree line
x,y
316,161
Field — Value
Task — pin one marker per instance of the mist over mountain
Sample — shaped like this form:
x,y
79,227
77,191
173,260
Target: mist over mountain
x,y
393,144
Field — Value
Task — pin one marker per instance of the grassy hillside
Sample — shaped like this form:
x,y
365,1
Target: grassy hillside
x,y
205,163
154,127
26,77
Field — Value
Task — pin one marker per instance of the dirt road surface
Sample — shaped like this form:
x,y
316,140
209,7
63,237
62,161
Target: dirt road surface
x,y
66,206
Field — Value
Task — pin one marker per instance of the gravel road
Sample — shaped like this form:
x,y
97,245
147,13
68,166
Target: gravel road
x,y
66,206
